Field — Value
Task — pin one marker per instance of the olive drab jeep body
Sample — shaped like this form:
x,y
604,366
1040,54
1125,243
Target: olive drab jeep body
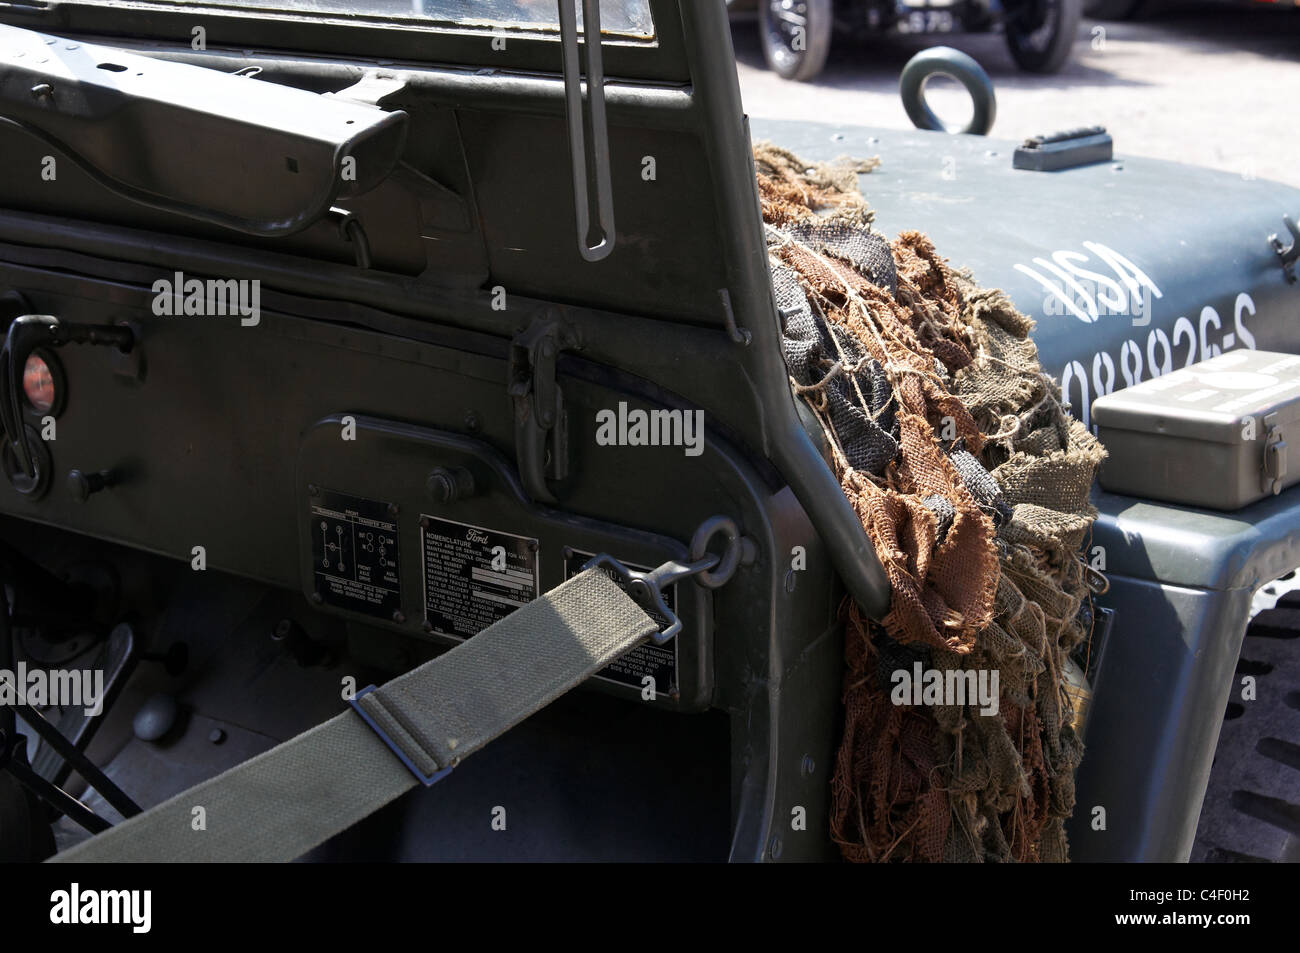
x,y
354,339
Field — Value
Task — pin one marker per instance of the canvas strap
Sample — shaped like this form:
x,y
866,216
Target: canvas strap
x,y
282,803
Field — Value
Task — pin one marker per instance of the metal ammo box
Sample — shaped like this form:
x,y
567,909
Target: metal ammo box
x,y
1212,434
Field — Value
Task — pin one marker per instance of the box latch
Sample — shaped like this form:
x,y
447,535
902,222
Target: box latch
x,y
1274,455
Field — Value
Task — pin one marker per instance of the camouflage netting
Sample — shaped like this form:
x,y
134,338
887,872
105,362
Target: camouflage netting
x,y
972,482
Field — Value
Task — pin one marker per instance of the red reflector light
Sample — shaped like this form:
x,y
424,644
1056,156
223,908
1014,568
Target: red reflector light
x,y
38,384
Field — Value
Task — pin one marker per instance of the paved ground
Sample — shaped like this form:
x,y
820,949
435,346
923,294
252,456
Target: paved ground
x,y
1217,86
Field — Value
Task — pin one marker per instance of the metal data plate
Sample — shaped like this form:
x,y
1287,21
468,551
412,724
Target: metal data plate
x,y
474,576
355,553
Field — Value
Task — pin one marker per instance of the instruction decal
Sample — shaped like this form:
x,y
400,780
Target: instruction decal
x,y
354,554
474,576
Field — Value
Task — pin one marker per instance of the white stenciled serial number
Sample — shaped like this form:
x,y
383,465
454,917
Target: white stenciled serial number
x,y
1159,354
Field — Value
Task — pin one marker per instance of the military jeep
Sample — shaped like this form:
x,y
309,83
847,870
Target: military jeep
x,y
340,337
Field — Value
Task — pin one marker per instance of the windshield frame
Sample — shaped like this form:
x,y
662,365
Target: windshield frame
x,y
659,59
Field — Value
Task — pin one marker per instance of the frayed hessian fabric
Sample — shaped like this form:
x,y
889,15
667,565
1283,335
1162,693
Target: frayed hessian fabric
x,y
972,481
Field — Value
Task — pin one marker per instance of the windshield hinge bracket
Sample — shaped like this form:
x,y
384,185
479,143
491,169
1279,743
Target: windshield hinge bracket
x,y
371,89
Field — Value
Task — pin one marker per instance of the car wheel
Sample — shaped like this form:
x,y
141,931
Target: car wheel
x,y
1041,33
796,36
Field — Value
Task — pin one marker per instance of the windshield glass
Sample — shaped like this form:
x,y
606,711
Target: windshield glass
x,y
624,17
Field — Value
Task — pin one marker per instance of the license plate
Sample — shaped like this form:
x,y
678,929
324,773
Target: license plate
x,y
928,21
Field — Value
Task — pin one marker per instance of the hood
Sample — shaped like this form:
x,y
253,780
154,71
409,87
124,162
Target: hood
x,y
1131,268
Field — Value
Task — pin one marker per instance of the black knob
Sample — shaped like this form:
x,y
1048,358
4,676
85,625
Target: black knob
x,y
81,485
449,484
156,717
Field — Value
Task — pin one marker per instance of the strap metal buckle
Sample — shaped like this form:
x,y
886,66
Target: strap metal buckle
x,y
428,780
708,569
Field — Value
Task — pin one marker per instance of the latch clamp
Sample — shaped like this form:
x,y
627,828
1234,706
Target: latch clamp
x,y
1287,254
1275,463
541,429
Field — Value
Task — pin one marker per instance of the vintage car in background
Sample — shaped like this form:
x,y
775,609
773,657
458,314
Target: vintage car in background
x,y
797,34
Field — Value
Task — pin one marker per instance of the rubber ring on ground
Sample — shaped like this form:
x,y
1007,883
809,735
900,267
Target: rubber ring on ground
x,y
961,67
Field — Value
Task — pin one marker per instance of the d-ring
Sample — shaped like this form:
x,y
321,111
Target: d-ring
x,y
730,557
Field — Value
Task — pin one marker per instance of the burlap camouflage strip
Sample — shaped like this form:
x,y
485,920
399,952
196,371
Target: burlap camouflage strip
x,y
972,482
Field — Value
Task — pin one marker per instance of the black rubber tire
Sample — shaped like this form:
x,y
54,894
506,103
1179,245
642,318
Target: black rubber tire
x,y
1112,9
1047,53
800,65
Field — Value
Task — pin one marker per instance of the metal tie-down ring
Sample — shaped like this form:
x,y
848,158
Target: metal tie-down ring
x,y
726,568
